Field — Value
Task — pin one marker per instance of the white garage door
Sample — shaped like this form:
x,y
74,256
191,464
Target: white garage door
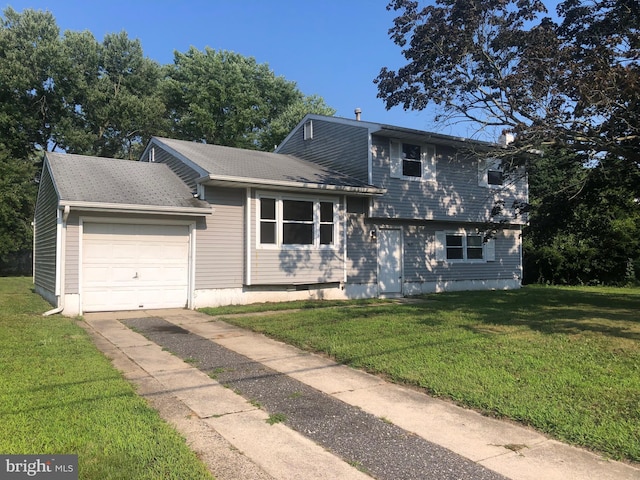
x,y
127,267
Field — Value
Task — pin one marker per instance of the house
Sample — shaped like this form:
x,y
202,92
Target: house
x,y
343,209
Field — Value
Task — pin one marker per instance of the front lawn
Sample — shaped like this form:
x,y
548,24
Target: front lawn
x,y
60,395
564,360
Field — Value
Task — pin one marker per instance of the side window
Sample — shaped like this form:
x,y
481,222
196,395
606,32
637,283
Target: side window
x,y
268,220
326,223
490,173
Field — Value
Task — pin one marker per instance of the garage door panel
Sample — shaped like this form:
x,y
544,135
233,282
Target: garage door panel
x,y
171,297
129,266
166,275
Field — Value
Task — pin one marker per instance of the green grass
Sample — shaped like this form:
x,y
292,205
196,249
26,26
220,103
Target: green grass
x,y
296,305
564,360
60,395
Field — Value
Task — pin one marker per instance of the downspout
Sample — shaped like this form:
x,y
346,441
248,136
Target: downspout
x,y
247,244
345,220
61,260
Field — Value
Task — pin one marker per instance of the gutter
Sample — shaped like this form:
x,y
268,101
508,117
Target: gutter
x,y
280,184
129,208
61,227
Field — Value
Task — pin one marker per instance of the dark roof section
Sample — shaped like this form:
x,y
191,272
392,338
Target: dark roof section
x,y
400,133
97,180
267,169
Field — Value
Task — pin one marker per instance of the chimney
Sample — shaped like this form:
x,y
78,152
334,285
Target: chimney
x,y
358,112
506,138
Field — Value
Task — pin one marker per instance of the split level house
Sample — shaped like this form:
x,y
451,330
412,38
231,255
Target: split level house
x,y
342,209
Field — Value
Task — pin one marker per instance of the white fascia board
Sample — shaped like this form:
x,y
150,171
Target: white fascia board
x,y
53,180
127,208
243,182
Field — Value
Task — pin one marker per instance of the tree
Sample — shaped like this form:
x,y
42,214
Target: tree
x,y
112,95
224,98
17,194
585,221
572,83
278,128
29,73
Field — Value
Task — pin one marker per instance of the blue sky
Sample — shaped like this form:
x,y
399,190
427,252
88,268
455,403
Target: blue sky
x,y
333,48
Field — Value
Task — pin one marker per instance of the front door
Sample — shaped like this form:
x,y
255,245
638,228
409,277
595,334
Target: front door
x,y
389,262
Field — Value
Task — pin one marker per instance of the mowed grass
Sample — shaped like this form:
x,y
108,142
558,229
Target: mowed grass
x,y
60,395
563,360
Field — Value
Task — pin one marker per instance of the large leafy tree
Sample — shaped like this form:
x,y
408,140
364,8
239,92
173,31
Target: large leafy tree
x,y
30,64
112,94
278,128
585,224
571,82
225,98
17,193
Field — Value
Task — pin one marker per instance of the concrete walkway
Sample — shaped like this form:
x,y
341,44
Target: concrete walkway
x,y
229,433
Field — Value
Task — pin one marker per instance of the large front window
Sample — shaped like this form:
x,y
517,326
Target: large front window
x,y
296,222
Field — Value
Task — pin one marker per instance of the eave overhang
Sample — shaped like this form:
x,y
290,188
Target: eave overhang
x,y
142,209
420,136
243,182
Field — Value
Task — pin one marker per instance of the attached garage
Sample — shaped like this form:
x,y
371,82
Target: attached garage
x,y
131,266
114,235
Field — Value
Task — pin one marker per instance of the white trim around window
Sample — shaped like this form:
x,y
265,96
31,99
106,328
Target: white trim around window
x,y
296,222
412,161
461,246
490,173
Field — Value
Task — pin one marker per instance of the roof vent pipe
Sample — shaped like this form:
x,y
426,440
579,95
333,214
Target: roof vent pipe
x,y
358,112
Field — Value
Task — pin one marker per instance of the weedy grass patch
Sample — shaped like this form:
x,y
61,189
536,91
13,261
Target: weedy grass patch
x,y
60,395
563,360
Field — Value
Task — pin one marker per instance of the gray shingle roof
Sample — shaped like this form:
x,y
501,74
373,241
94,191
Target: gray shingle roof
x,y
220,161
80,178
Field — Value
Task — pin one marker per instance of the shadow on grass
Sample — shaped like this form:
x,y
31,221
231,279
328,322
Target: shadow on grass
x,y
548,311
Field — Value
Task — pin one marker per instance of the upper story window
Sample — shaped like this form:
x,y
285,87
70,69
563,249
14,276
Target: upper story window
x,y
293,222
412,161
461,246
490,173
307,132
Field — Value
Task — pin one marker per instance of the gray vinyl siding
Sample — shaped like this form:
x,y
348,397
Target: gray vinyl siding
x,y
455,196
420,264
362,265
187,174
72,254
45,235
290,266
220,240
336,146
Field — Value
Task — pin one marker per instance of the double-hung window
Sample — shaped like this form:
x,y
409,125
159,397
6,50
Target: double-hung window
x,y
413,161
461,246
296,222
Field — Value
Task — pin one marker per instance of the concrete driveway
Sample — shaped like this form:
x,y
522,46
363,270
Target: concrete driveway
x,y
378,428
